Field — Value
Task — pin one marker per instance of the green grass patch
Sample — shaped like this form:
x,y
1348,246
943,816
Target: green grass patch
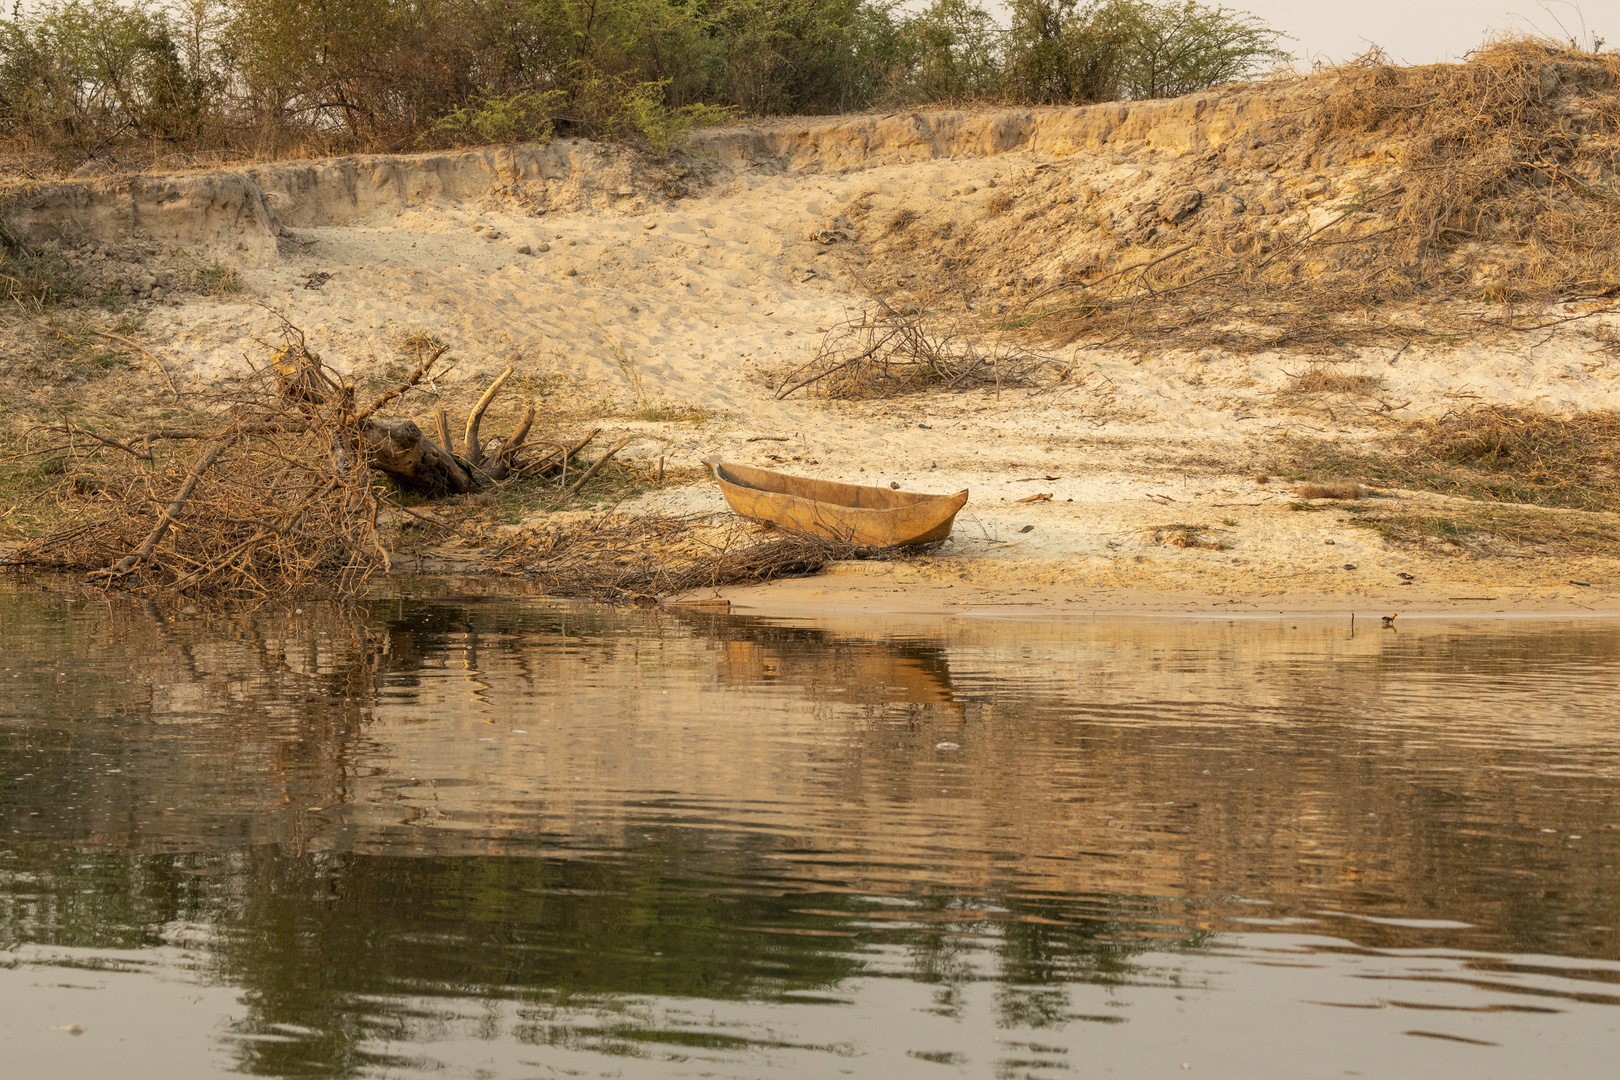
x,y
1488,530
664,413
34,277
219,279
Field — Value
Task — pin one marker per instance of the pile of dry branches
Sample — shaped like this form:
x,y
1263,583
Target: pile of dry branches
x,y
244,510
1509,146
888,350
617,558
283,493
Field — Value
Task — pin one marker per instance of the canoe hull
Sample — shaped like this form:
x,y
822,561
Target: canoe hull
x,y
850,512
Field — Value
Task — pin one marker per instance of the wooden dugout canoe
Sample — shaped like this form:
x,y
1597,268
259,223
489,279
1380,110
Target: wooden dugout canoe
x,y
864,515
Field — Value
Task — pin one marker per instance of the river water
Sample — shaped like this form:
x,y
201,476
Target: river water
x,y
510,838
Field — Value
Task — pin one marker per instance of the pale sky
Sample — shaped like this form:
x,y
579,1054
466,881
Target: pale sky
x,y
1410,31
1425,31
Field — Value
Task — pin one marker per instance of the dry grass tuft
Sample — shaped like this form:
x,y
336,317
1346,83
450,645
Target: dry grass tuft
x,y
1327,378
1491,457
902,220
1331,491
1494,454
219,280
419,342
1178,535
1500,532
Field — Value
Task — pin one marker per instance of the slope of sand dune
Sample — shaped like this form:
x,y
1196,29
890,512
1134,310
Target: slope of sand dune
x,y
616,283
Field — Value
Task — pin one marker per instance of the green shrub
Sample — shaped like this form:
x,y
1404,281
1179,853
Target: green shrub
x,y
666,128
34,277
524,116
1064,51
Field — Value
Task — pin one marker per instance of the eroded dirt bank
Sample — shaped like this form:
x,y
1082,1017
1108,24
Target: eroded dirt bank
x,y
670,298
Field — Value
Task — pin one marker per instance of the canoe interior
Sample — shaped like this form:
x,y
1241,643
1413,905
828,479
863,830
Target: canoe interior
x,y
822,491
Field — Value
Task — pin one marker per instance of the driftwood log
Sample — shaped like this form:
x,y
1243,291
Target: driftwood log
x,y
399,448
413,460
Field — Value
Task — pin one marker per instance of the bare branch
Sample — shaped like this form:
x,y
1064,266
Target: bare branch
x,y
416,376
471,450
592,471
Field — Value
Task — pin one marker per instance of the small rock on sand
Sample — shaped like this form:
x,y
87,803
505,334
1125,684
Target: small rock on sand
x,y
1181,205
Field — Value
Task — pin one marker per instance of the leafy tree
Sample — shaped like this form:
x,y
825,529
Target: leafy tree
x,y
951,51
1063,51
1174,49
365,68
805,56
1059,52
82,77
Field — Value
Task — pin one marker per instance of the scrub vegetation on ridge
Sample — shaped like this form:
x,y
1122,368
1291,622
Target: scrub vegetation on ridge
x,y
1367,205
105,86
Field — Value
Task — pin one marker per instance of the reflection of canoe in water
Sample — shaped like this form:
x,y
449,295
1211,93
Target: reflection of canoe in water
x,y
865,672
865,515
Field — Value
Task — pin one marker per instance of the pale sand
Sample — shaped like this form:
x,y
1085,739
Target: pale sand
x,y
864,589
701,301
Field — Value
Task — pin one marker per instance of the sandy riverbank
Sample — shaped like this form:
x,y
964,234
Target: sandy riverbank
x,y
867,589
617,293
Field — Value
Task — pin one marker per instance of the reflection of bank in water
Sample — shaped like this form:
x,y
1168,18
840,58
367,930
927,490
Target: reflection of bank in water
x,y
583,810
178,727
1172,758
272,806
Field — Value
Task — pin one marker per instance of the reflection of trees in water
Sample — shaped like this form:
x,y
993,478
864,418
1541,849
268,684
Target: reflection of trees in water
x,y
346,946
338,937
1038,948
182,726
167,727
62,896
